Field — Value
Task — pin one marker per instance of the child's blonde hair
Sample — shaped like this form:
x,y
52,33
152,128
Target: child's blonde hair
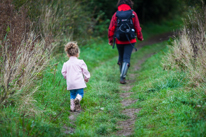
x,y
72,48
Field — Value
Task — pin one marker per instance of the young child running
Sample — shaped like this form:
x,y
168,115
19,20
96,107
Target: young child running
x,y
76,74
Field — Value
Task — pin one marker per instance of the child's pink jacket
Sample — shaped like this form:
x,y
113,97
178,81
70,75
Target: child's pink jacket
x,y
73,71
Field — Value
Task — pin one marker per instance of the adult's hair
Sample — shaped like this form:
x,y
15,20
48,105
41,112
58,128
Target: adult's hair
x,y
128,2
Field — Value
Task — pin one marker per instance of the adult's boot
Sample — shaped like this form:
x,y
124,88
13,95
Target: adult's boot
x,y
125,67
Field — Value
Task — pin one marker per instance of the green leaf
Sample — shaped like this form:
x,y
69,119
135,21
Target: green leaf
x,y
8,29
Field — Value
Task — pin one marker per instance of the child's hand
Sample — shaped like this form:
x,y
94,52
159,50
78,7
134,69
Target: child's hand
x,y
86,80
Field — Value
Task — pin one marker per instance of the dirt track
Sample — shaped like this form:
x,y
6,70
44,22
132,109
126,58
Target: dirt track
x,y
156,39
127,126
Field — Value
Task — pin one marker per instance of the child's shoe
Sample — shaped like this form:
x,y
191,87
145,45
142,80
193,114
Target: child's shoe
x,y
72,105
77,102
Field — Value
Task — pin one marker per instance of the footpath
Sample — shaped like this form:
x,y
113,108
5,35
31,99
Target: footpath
x,y
126,124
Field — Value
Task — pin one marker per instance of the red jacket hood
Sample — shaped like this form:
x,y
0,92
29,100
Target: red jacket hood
x,y
124,7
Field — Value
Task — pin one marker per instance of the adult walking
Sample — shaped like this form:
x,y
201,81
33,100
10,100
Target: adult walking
x,y
123,29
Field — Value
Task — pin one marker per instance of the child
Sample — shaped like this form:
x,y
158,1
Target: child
x,y
72,71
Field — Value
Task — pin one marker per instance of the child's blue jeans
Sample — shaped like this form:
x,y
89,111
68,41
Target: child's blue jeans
x,y
74,92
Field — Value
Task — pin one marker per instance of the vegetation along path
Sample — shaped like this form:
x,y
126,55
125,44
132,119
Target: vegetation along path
x,y
127,125
108,80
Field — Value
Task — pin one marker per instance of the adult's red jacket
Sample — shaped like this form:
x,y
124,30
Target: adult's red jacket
x,y
113,24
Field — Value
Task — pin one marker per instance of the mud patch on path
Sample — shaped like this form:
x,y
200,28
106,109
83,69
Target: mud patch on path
x,y
125,95
72,118
128,102
128,127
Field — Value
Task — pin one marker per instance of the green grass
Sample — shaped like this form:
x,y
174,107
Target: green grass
x,y
151,29
53,100
101,101
164,26
169,106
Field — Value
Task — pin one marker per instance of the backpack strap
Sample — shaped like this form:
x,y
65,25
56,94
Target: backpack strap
x,y
131,43
114,43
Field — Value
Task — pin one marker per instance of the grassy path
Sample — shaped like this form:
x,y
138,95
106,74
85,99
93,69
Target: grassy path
x,y
102,102
155,102
110,111
127,126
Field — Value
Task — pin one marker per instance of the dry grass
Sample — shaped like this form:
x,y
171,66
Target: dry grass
x,y
19,73
13,25
188,53
24,55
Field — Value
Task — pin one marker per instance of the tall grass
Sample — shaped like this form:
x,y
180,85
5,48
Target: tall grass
x,y
67,19
24,55
28,39
188,52
22,67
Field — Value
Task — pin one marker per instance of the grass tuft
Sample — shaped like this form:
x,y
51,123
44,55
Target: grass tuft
x,y
102,130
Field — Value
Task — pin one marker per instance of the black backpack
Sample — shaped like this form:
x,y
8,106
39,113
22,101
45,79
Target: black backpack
x,y
125,28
